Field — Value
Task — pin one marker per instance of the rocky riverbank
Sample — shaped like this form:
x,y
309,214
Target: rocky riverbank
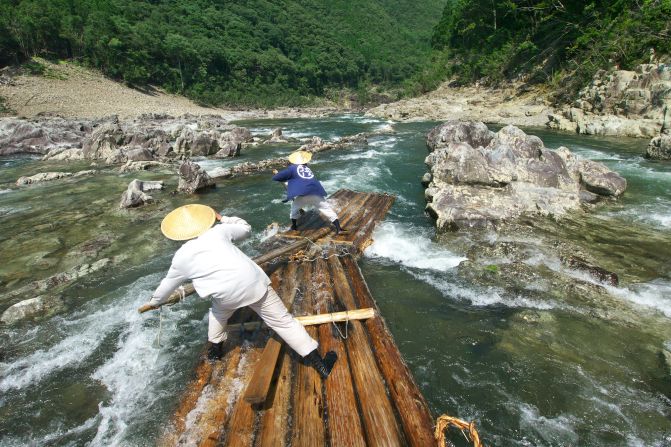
x,y
74,92
514,104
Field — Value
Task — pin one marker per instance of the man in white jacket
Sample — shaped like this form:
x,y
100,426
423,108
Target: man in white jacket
x,y
230,278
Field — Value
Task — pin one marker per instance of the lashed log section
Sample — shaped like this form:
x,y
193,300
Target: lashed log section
x,y
370,397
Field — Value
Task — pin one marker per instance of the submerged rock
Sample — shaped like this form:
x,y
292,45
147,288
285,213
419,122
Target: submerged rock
x,y
600,274
136,196
50,176
40,306
478,178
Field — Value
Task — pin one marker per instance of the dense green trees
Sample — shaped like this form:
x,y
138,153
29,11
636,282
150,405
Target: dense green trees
x,y
559,41
228,52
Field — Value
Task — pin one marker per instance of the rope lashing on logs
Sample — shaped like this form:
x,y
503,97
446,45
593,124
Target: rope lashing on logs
x,y
344,337
446,421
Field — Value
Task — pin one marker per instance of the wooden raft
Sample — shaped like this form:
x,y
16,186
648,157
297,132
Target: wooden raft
x,y
370,398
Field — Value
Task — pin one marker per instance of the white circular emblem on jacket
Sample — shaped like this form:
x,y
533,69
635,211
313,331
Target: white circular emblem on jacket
x,y
304,172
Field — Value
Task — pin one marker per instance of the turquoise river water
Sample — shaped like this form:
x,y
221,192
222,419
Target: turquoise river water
x,y
494,326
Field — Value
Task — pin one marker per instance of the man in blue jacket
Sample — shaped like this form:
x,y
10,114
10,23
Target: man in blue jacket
x,y
305,190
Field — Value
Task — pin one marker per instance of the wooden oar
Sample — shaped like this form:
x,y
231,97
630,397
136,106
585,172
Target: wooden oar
x,y
259,385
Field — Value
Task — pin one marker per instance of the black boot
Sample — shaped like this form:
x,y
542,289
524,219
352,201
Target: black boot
x,y
294,224
323,366
338,228
215,350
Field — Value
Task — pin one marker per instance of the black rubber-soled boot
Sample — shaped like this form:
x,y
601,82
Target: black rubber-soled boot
x,y
215,350
338,228
323,366
294,224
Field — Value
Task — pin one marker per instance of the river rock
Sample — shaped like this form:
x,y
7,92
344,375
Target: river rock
x,y
276,137
479,178
40,306
598,273
135,195
193,178
620,102
42,177
659,148
39,136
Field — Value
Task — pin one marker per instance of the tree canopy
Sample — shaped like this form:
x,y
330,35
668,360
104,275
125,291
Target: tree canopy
x,y
233,52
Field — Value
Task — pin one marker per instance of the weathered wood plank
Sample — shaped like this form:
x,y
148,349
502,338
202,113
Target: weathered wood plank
x,y
308,405
258,387
411,404
240,427
274,426
344,421
380,423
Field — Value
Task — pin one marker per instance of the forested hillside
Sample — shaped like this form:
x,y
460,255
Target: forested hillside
x,y
561,42
220,52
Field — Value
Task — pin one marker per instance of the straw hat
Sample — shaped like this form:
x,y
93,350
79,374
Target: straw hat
x,y
187,222
300,157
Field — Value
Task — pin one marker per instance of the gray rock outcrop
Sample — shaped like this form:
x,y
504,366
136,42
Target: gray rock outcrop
x,y
40,136
659,148
149,137
136,193
193,178
620,102
479,178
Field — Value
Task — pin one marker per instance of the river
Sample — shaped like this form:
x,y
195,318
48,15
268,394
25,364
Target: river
x,y
494,326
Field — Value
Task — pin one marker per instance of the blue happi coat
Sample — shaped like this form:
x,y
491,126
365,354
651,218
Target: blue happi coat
x,y
302,182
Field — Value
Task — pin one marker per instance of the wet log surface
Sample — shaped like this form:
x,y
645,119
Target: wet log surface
x,y
370,398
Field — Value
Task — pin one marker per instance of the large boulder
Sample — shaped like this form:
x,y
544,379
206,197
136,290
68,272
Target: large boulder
x,y
454,131
105,143
659,148
502,176
193,178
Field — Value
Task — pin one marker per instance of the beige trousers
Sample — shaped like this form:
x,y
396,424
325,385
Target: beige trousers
x,y
272,310
318,202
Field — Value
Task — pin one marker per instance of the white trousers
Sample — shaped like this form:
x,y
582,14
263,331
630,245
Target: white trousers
x,y
272,310
313,201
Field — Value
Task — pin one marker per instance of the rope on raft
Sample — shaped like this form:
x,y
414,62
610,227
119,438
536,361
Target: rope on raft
x,y
446,421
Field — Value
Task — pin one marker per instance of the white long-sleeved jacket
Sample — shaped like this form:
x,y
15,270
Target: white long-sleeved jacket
x,y
217,267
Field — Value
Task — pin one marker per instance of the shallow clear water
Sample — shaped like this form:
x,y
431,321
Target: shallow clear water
x,y
537,353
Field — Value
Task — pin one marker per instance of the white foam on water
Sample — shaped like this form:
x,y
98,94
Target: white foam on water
x,y
596,155
366,155
560,429
85,334
296,134
5,191
410,247
657,214
655,295
134,375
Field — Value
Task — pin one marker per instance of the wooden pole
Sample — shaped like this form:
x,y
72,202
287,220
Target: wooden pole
x,y
314,320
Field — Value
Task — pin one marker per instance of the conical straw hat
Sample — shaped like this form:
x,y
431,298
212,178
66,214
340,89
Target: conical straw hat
x,y
187,222
300,157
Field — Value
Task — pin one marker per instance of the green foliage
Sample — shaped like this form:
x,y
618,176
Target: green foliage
x,y
4,109
256,52
563,42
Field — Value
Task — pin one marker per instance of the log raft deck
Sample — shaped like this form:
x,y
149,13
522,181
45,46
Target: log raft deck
x,y
370,398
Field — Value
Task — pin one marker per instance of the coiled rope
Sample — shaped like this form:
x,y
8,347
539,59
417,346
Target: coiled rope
x,y
446,421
